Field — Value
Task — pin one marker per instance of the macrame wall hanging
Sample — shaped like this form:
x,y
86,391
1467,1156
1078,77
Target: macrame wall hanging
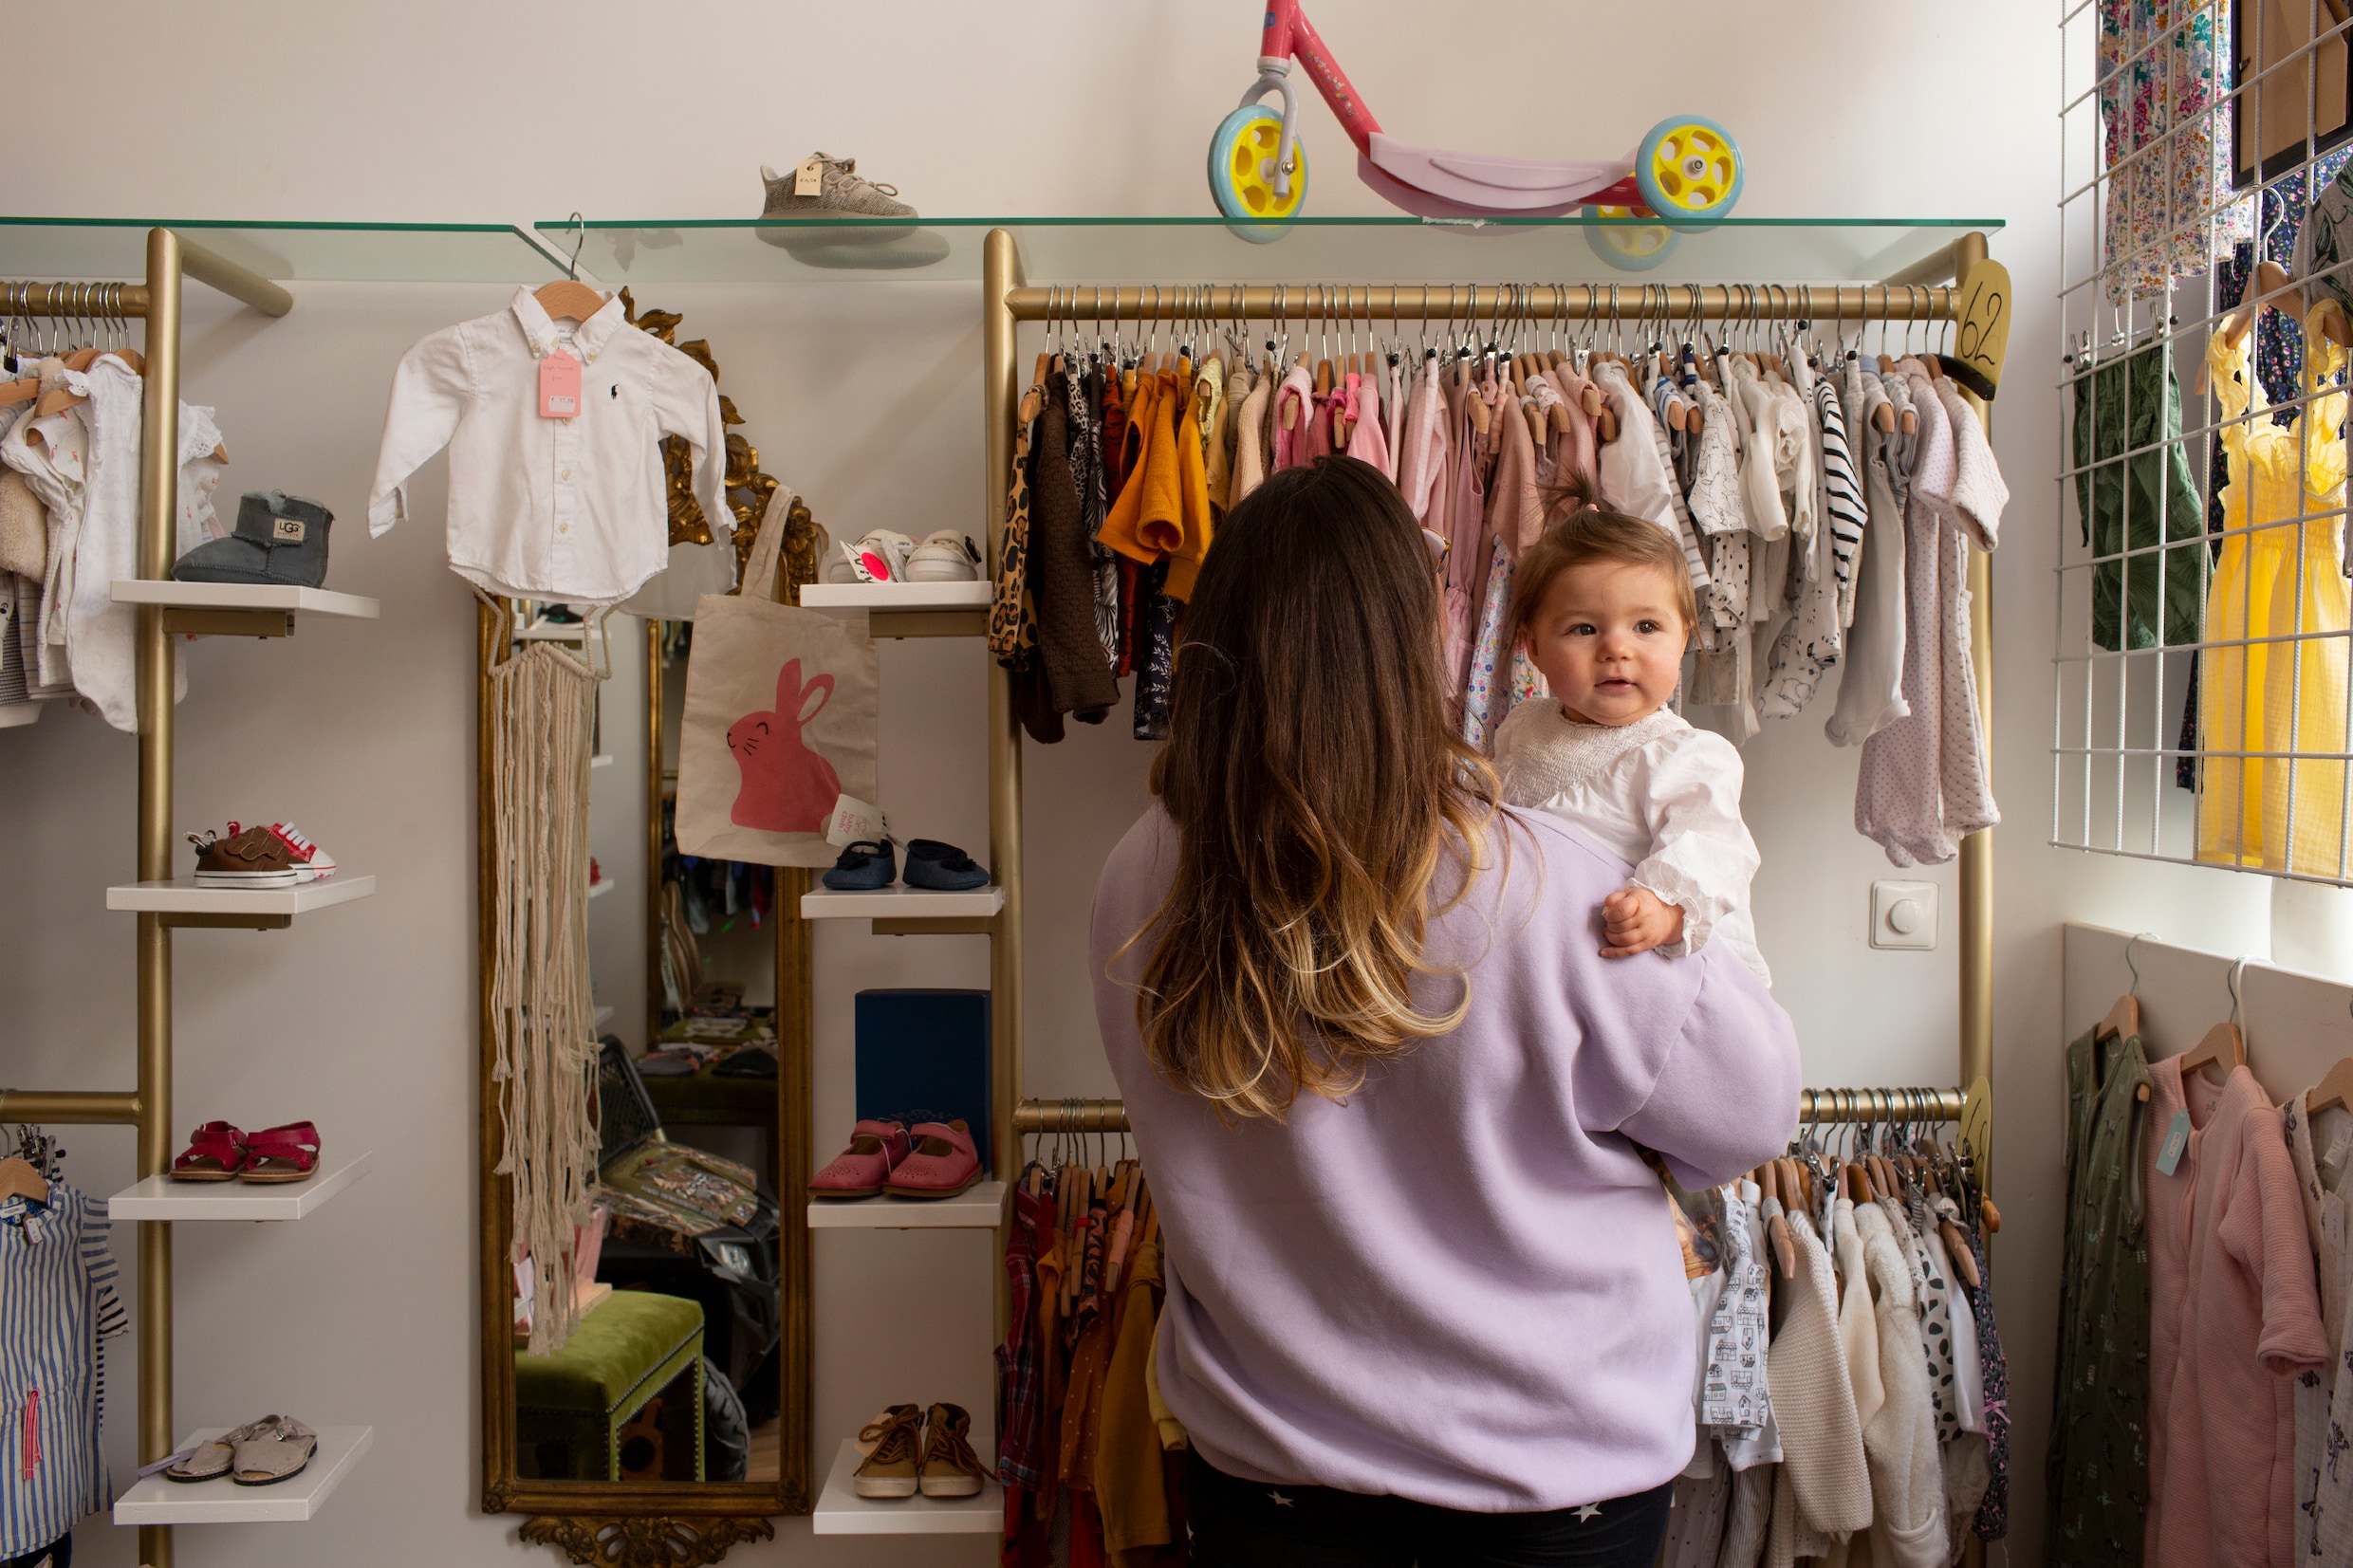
x,y
543,1015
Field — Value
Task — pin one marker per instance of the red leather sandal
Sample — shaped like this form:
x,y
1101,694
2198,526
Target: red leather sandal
x,y
286,1153
217,1151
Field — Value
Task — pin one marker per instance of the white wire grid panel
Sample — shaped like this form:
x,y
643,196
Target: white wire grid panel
x,y
2202,709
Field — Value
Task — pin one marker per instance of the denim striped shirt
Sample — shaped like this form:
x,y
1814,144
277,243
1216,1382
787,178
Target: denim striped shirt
x,y
58,1305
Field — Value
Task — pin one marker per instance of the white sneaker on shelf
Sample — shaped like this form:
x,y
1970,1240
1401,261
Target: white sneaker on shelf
x,y
945,556
881,556
312,863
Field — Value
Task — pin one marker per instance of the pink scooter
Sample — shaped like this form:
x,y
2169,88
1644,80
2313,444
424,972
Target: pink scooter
x,y
1687,172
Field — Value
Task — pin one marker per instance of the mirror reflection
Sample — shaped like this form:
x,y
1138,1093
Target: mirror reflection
x,y
672,1373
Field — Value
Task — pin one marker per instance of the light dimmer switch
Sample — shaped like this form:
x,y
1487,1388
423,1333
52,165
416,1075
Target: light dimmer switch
x,y
1904,914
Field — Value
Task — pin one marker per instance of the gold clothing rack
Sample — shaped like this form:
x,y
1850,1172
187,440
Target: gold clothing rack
x,y
1536,303
1960,284
1815,1107
148,1109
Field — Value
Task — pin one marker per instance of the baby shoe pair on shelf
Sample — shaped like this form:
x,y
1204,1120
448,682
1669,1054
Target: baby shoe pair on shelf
x,y
866,866
908,1451
932,1159
220,1152
273,857
886,556
260,1453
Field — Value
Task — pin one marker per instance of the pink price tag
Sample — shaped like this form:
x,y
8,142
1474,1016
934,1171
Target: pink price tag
x,y
559,386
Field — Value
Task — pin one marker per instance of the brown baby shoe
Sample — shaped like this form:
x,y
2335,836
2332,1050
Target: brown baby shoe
x,y
246,857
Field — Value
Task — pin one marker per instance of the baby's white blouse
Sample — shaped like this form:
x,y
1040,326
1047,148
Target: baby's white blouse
x,y
1657,793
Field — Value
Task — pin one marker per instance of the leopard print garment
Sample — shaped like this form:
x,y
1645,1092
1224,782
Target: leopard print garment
x,y
1012,613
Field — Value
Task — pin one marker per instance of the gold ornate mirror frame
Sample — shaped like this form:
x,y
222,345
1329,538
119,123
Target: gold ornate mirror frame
x,y
656,1524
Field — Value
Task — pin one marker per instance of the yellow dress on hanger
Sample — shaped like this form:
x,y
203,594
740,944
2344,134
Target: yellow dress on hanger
x,y
2280,575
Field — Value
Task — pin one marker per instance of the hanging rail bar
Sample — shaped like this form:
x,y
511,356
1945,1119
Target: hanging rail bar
x,y
1036,1117
1574,301
131,300
60,1107
100,300
239,284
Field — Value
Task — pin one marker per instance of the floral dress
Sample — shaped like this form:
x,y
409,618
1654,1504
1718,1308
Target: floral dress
x,y
2167,148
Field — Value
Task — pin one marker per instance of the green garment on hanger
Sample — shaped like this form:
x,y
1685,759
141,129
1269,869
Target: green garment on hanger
x,y
2099,1461
2134,406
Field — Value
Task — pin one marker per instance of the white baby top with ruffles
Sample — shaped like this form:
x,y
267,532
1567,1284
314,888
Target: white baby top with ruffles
x,y
1658,794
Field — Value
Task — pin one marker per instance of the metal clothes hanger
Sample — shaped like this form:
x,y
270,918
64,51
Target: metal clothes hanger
x,y
2124,1018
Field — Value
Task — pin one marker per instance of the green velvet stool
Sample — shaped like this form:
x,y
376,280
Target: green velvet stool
x,y
570,1406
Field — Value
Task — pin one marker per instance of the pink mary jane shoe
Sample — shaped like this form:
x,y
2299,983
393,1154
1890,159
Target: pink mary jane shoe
x,y
944,1162
862,1168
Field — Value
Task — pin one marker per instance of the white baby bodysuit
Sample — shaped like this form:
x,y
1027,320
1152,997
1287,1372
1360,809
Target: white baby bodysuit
x,y
1658,794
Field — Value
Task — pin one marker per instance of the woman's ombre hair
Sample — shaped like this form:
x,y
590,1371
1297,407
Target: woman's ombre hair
x,y
1318,788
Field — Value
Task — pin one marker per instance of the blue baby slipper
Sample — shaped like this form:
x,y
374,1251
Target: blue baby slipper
x,y
864,867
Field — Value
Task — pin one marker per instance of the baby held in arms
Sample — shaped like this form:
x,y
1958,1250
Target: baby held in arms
x,y
1602,604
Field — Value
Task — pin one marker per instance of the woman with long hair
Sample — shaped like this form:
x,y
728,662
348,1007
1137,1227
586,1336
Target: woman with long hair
x,y
1425,1301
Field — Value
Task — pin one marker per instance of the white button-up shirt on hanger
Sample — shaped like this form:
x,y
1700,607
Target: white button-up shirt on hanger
x,y
571,510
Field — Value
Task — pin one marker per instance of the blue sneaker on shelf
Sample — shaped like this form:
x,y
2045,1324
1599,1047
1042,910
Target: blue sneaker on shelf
x,y
864,867
943,867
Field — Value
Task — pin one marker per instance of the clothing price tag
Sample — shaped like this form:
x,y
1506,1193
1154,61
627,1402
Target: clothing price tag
x,y
2176,1139
559,386
809,178
854,821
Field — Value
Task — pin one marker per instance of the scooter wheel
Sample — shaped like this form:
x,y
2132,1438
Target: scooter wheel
x,y
1241,174
1629,246
1689,168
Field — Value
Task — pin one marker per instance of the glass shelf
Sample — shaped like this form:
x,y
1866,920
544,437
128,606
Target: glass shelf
x,y
76,249
1205,250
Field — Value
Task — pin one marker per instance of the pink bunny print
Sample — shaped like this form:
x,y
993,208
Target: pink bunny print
x,y
787,786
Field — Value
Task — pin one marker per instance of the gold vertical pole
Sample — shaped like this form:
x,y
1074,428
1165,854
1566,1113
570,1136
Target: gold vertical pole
x,y
655,946
1976,999
1000,273
1977,848
795,1086
159,495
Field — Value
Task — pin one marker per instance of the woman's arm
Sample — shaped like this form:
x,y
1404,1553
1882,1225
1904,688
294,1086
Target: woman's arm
x,y
1725,1096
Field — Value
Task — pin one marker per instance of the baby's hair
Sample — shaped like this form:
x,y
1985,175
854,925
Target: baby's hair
x,y
1582,532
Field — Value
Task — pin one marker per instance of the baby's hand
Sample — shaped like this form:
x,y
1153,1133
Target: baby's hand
x,y
1635,920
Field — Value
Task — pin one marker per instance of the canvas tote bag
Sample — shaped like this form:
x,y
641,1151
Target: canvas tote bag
x,y
780,721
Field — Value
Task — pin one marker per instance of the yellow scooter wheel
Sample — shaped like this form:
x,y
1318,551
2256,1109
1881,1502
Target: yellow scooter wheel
x,y
1689,168
1242,174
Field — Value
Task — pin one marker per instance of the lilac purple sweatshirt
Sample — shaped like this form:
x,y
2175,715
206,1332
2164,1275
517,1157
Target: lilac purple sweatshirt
x,y
1462,1285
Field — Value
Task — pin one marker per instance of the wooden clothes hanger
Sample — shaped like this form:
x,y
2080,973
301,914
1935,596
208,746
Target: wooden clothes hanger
x,y
2223,1046
2332,1092
568,296
18,1179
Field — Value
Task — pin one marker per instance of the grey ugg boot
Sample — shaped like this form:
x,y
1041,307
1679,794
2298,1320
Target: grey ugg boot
x,y
280,539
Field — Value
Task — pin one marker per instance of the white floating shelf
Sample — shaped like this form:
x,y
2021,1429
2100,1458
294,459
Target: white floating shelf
x,y
156,1500
597,890
604,1016
554,631
978,1207
603,759
841,1512
900,902
181,895
162,1198
245,596
845,598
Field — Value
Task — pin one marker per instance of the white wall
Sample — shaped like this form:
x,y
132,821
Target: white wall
x,y
867,400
